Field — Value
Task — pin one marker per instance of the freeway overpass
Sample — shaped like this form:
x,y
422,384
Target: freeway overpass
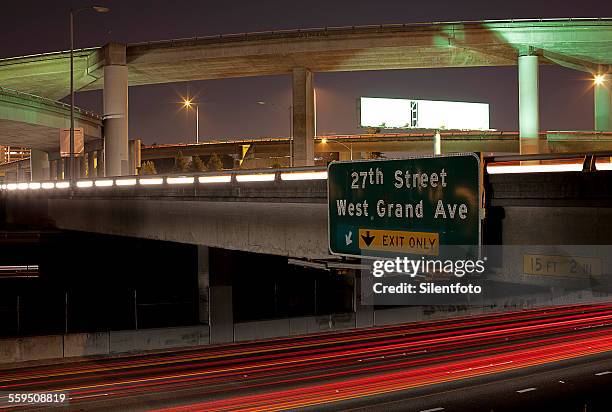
x,y
35,122
268,152
234,218
273,152
284,211
582,44
579,43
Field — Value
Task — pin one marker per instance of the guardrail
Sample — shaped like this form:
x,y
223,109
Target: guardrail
x,y
17,93
343,29
225,177
585,161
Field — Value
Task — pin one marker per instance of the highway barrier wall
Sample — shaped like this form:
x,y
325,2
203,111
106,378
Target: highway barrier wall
x,y
13,350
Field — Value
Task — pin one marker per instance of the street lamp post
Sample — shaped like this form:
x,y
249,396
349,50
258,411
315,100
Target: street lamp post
x,y
188,104
324,140
291,136
73,12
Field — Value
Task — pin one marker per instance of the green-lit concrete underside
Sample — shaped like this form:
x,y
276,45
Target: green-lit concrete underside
x,y
34,122
583,44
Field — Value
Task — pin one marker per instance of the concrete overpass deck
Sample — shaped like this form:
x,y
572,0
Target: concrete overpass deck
x,y
583,43
284,212
492,141
32,121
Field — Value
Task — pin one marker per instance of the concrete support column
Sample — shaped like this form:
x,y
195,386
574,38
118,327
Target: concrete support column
x,y
65,168
100,171
437,143
81,166
203,283
134,157
60,168
364,314
529,111
303,117
53,169
21,173
39,165
221,305
603,104
91,164
116,120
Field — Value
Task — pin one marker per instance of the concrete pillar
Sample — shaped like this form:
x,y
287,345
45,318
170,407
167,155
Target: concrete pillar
x,y
100,171
529,111
53,169
91,164
437,143
81,165
203,283
61,164
364,314
116,119
134,156
21,173
221,309
62,169
303,117
603,104
39,165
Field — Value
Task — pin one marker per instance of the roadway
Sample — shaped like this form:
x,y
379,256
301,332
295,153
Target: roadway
x,y
512,361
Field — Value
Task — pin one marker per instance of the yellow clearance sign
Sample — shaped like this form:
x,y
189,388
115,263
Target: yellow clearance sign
x,y
399,241
562,266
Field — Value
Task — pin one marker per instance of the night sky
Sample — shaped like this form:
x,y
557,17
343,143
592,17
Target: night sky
x,y
229,107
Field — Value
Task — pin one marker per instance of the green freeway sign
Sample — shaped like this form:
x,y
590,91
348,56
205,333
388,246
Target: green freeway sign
x,y
404,207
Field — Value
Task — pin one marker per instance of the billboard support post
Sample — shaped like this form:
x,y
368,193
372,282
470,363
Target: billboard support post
x,y
437,143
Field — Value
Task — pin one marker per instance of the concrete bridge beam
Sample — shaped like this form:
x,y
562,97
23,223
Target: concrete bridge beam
x,y
603,104
303,117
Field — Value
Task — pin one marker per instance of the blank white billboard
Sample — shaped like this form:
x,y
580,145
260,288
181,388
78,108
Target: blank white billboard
x,y
422,114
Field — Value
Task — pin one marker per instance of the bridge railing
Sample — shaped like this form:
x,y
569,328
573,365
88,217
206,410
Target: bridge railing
x,y
548,162
177,180
33,97
537,163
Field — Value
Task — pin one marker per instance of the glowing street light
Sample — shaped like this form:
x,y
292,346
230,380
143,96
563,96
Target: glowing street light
x,y
350,148
599,79
188,104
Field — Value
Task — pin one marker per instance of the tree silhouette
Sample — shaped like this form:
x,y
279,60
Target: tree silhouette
x,y
214,163
148,168
197,165
180,163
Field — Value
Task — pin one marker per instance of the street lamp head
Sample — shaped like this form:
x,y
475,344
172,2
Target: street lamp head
x,y
187,103
599,79
101,9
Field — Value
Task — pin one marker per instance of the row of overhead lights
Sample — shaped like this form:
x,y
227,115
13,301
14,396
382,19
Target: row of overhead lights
x,y
181,180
